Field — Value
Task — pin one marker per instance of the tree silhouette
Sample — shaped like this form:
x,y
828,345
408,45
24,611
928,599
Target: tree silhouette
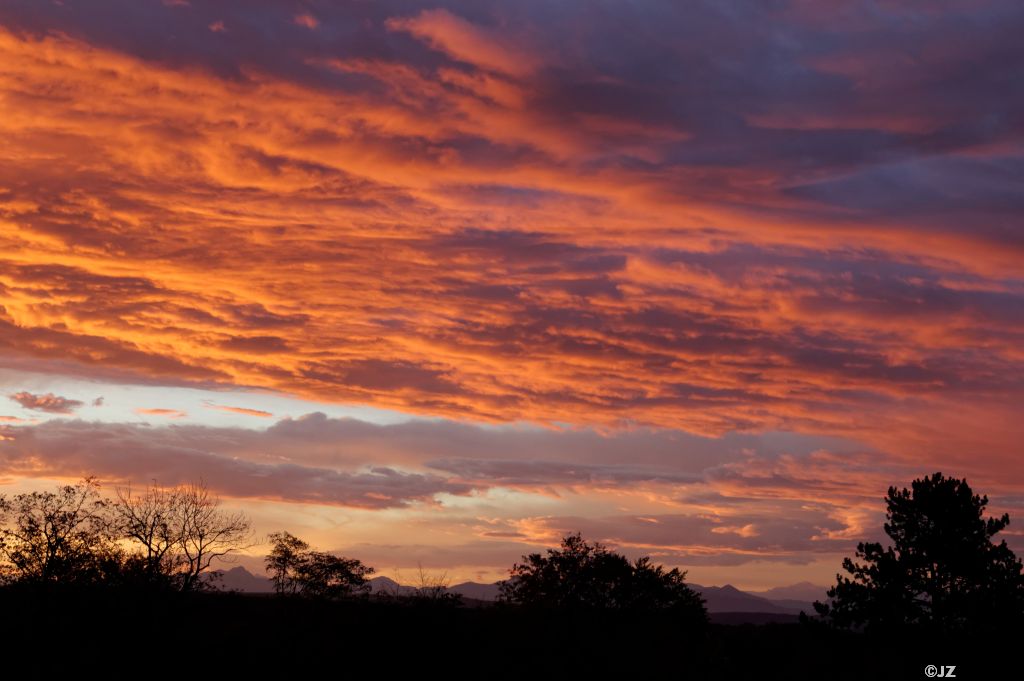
x,y
581,575
428,590
296,569
178,533
205,533
161,537
58,537
943,570
147,519
284,560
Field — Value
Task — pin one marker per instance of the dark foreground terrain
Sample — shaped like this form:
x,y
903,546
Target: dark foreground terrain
x,y
212,635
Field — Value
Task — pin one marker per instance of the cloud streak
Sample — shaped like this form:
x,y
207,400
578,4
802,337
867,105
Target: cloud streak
x,y
245,411
168,413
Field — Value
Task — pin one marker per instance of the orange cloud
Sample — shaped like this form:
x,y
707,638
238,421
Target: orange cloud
x,y
471,241
467,42
240,410
168,413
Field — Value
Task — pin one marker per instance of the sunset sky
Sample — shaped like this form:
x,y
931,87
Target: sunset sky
x,y
441,282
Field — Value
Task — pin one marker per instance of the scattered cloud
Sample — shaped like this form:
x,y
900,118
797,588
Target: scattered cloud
x,y
466,42
50,403
307,21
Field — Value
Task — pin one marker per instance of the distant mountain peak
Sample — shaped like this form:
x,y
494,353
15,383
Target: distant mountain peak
x,y
240,579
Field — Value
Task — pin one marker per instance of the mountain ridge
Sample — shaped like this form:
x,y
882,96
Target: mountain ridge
x,y
787,600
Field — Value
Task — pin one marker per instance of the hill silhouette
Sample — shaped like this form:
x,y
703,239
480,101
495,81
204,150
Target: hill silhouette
x,y
725,599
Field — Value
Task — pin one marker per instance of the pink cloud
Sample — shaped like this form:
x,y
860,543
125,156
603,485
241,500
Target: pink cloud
x,y
53,404
465,41
306,20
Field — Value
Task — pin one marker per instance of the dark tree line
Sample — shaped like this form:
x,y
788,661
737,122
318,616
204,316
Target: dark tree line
x,y
170,537
162,537
943,571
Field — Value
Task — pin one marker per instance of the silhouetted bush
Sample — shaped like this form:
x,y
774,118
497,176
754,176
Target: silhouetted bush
x,y
429,591
584,576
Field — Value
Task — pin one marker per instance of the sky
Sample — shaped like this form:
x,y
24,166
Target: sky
x,y
436,284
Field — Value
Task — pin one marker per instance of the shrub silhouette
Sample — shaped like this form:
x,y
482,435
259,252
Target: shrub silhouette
x,y
583,576
942,572
298,570
429,589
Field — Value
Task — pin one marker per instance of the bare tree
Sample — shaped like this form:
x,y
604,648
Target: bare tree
x,y
427,589
180,532
435,587
205,532
148,519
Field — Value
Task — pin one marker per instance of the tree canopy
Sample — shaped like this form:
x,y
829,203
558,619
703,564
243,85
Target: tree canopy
x,y
943,570
296,569
57,537
581,575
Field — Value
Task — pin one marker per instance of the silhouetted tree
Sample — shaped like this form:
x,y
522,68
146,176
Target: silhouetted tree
x,y
580,575
943,569
296,569
434,589
148,521
284,560
58,537
167,537
178,533
205,533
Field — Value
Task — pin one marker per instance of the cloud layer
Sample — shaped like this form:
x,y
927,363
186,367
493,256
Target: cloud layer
x,y
681,498
711,218
615,215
